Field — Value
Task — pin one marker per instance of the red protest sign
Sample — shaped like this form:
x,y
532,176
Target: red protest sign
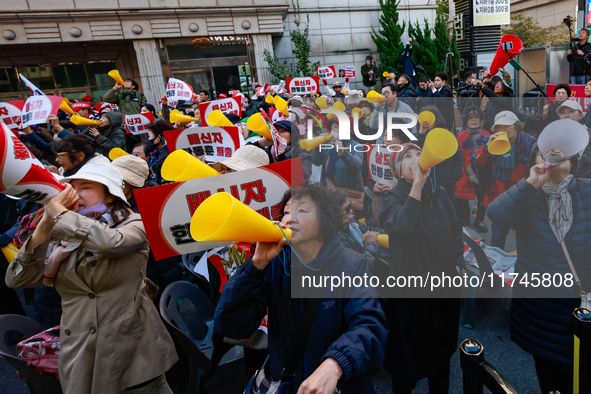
x,y
10,113
136,124
217,143
326,72
378,162
38,108
167,210
303,85
346,71
232,105
177,90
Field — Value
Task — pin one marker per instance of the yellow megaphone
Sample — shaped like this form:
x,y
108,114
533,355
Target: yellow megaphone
x,y
115,75
218,119
81,121
281,105
223,218
321,102
375,97
66,108
338,106
10,252
176,117
269,99
357,110
181,166
314,142
386,74
500,145
439,145
117,152
426,118
383,240
257,124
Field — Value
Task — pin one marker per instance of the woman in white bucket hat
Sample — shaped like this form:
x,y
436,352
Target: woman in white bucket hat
x,y
94,250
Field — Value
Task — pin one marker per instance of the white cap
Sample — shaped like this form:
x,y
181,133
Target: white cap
x,y
571,104
504,118
103,173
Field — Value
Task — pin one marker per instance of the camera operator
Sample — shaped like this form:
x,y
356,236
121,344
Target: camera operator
x,y
408,66
369,71
576,58
499,99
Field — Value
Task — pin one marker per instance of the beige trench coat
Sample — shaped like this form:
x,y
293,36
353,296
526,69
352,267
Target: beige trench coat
x,y
111,334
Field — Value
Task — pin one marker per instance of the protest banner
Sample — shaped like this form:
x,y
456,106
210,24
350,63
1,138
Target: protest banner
x,y
38,108
136,124
167,210
326,72
378,162
23,176
232,105
346,71
217,143
177,90
303,85
10,113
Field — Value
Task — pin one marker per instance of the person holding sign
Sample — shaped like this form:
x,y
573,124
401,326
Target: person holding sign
x,y
425,236
128,97
347,333
98,251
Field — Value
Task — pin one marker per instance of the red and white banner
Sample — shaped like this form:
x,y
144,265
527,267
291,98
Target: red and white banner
x,y
217,143
136,124
177,90
38,108
232,105
263,90
577,94
346,71
326,72
10,113
23,176
275,114
34,89
303,85
167,210
378,162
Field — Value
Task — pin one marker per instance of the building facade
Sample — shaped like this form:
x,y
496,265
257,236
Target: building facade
x,y
67,47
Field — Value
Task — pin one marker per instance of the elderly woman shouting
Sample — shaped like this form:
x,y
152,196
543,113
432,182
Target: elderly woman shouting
x,y
550,211
92,247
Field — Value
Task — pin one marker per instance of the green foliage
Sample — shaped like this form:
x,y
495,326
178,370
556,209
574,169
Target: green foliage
x,y
441,41
302,45
532,34
279,70
442,7
388,38
423,51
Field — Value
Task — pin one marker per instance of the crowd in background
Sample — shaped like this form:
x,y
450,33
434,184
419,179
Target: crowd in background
x,y
423,213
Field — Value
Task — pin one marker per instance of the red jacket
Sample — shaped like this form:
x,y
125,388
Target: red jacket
x,y
464,188
492,187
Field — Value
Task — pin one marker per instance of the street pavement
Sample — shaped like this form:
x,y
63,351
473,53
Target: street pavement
x,y
491,328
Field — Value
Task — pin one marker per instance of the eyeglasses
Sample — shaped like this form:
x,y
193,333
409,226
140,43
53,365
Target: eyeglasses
x,y
387,93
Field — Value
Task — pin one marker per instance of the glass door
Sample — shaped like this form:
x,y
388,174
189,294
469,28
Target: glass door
x,y
199,79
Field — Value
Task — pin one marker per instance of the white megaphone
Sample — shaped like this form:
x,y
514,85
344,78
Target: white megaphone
x,y
23,176
565,135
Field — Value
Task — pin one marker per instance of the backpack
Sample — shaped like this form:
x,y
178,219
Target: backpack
x,y
42,351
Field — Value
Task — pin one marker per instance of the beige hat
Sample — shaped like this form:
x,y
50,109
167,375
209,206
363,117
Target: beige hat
x,y
102,173
135,171
504,118
354,97
299,99
571,104
247,157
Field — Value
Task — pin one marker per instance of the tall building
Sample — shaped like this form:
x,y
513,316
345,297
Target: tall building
x,y
67,47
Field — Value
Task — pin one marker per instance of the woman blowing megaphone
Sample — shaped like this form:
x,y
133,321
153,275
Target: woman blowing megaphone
x,y
426,236
348,334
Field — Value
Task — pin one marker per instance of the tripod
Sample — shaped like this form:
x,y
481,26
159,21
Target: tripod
x,y
450,64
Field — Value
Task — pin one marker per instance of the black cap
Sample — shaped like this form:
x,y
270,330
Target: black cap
x,y
368,57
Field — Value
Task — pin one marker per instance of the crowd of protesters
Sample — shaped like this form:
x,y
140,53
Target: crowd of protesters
x,y
87,255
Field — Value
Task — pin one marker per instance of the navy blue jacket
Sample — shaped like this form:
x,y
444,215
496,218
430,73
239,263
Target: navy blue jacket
x,y
541,323
350,329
